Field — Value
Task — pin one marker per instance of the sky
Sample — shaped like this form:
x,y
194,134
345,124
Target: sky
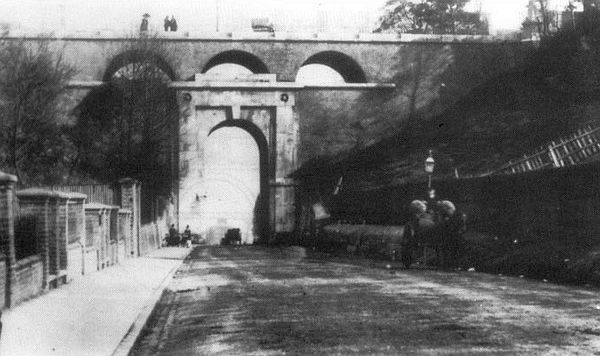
x,y
234,15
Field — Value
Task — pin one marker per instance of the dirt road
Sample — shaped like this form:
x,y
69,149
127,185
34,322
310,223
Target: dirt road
x,y
251,300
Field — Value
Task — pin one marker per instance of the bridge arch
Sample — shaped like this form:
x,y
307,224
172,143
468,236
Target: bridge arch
x,y
345,65
244,59
261,208
136,56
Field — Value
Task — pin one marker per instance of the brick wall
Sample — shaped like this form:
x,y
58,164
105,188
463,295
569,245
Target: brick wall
x,y
29,279
59,216
37,207
71,238
7,233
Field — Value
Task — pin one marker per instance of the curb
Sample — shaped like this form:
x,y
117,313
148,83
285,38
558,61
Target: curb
x,y
137,326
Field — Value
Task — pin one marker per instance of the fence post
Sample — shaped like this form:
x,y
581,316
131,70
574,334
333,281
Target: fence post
x,y
553,157
37,203
130,200
7,233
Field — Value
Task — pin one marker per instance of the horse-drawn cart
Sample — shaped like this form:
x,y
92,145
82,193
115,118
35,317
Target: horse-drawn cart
x,y
439,228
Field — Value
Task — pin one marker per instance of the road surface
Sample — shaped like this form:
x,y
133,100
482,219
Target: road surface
x,y
260,301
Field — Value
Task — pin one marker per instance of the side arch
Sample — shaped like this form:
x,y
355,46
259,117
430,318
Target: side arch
x,y
242,58
348,68
262,206
133,56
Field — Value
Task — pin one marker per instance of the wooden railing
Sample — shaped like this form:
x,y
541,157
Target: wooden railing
x,y
567,151
96,193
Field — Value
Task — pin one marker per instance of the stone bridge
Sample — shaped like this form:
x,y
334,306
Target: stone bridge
x,y
359,58
291,122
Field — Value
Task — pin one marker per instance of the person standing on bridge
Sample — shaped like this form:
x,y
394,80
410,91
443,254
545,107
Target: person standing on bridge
x,y
144,24
167,23
173,23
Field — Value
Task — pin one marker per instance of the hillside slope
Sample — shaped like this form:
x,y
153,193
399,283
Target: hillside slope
x,y
556,92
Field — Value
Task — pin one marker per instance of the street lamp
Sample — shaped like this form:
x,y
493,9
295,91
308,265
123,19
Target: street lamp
x,y
429,166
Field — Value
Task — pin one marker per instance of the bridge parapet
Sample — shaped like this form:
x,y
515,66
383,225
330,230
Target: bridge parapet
x,y
250,36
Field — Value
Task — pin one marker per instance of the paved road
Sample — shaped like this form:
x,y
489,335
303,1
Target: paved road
x,y
250,300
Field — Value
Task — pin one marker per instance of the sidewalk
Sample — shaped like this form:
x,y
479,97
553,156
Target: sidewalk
x,y
91,315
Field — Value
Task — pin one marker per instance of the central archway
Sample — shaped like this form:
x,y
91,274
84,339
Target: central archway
x,y
237,182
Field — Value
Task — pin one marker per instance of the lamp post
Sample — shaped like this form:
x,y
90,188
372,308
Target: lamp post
x,y
429,166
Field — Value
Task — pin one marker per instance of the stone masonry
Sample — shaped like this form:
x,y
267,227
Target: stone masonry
x,y
265,109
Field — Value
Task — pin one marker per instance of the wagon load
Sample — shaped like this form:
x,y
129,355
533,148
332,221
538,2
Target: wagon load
x,y
365,239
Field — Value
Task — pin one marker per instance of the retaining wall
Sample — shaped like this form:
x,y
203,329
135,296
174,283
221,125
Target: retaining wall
x,y
561,203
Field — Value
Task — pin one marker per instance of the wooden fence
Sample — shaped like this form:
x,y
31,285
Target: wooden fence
x,y
96,193
577,148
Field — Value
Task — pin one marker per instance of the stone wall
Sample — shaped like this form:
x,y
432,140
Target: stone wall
x,y
67,243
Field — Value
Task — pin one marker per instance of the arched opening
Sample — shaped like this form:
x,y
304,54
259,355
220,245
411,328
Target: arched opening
x,y
229,71
126,128
236,182
318,74
122,64
341,63
240,58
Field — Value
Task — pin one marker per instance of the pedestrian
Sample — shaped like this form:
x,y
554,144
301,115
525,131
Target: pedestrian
x,y
187,237
144,25
173,236
173,24
167,23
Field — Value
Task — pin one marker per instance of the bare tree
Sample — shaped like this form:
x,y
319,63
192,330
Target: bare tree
x,y
128,127
32,80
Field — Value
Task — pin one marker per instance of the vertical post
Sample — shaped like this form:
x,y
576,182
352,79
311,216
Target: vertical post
x,y
37,204
44,244
130,200
553,157
7,232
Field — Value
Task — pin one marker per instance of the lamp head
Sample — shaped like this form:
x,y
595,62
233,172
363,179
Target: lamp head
x,y
429,164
